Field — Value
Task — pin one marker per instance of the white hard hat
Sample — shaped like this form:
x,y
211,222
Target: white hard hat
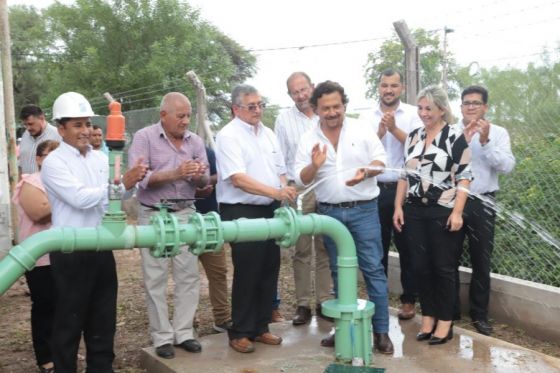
x,y
71,105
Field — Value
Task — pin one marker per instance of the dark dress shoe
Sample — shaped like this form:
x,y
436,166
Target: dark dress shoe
x,y
439,341
328,342
165,351
243,345
302,316
483,327
319,313
406,311
191,345
382,343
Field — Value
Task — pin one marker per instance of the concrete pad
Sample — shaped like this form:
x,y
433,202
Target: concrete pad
x,y
300,352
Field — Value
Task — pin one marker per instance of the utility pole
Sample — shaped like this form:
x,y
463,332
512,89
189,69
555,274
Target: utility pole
x,y
446,31
411,58
8,165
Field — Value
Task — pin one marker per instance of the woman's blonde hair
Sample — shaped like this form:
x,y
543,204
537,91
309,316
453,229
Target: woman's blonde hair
x,y
437,96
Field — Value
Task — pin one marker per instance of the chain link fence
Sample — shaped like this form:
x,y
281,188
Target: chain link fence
x,y
527,226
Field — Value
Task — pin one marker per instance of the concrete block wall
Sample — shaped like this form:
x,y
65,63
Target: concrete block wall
x,y
532,307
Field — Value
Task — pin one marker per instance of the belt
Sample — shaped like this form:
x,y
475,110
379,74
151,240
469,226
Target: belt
x,y
423,201
175,208
347,205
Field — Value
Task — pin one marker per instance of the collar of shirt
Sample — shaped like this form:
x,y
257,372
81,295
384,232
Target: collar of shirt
x,y
74,151
161,131
249,127
379,111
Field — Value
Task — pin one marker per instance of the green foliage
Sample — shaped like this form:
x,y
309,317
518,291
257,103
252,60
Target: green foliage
x,y
391,55
142,48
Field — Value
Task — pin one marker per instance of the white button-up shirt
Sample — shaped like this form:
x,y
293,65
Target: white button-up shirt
x,y
76,186
490,160
290,126
407,119
357,147
240,150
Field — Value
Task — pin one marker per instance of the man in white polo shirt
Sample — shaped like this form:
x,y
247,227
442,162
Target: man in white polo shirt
x,y
251,182
337,155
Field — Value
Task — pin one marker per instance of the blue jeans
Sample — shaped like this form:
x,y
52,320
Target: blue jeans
x,y
363,223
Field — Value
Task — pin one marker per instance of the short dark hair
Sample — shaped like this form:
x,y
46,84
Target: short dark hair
x,y
389,72
29,110
476,89
96,127
325,88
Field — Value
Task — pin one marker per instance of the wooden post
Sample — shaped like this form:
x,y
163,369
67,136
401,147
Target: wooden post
x,y
202,125
411,61
8,168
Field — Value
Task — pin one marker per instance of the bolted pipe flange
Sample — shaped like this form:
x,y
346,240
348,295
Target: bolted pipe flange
x,y
168,232
209,233
289,217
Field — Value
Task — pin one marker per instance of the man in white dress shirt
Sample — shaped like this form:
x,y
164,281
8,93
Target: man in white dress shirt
x,y
338,154
251,182
290,126
491,156
76,180
393,120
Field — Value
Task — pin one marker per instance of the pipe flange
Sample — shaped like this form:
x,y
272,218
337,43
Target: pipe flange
x,y
167,230
209,233
289,217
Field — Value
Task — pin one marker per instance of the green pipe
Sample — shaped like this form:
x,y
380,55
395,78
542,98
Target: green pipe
x,y
206,233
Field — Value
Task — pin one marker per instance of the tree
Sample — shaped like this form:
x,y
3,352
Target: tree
x,y
29,47
140,48
391,55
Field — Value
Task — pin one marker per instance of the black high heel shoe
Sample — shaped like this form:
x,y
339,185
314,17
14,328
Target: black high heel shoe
x,y
425,336
439,341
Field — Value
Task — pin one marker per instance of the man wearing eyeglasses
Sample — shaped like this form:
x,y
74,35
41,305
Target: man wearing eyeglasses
x,y
491,156
251,184
290,126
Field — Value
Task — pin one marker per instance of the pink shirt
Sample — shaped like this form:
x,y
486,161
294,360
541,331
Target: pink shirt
x,y
28,227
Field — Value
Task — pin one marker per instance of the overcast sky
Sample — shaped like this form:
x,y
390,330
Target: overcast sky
x,y
489,32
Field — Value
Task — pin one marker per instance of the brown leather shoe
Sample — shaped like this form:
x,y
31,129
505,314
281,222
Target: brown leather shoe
x,y
382,343
243,345
406,311
277,316
269,339
302,316
328,342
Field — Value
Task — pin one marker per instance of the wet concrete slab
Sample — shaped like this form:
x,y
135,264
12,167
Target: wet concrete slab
x,y
300,352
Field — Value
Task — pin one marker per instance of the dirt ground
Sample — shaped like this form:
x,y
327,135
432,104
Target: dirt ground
x,y
16,355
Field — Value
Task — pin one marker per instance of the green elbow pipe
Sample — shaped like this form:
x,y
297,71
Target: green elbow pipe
x,y
207,233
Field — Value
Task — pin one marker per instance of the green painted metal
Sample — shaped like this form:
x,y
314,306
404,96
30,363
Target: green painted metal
x,y
207,233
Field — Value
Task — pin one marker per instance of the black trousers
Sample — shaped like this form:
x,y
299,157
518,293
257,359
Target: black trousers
x,y
435,256
86,285
255,273
43,298
386,210
478,228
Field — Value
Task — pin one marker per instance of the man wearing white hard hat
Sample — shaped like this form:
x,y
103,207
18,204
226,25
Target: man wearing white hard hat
x,y
76,180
